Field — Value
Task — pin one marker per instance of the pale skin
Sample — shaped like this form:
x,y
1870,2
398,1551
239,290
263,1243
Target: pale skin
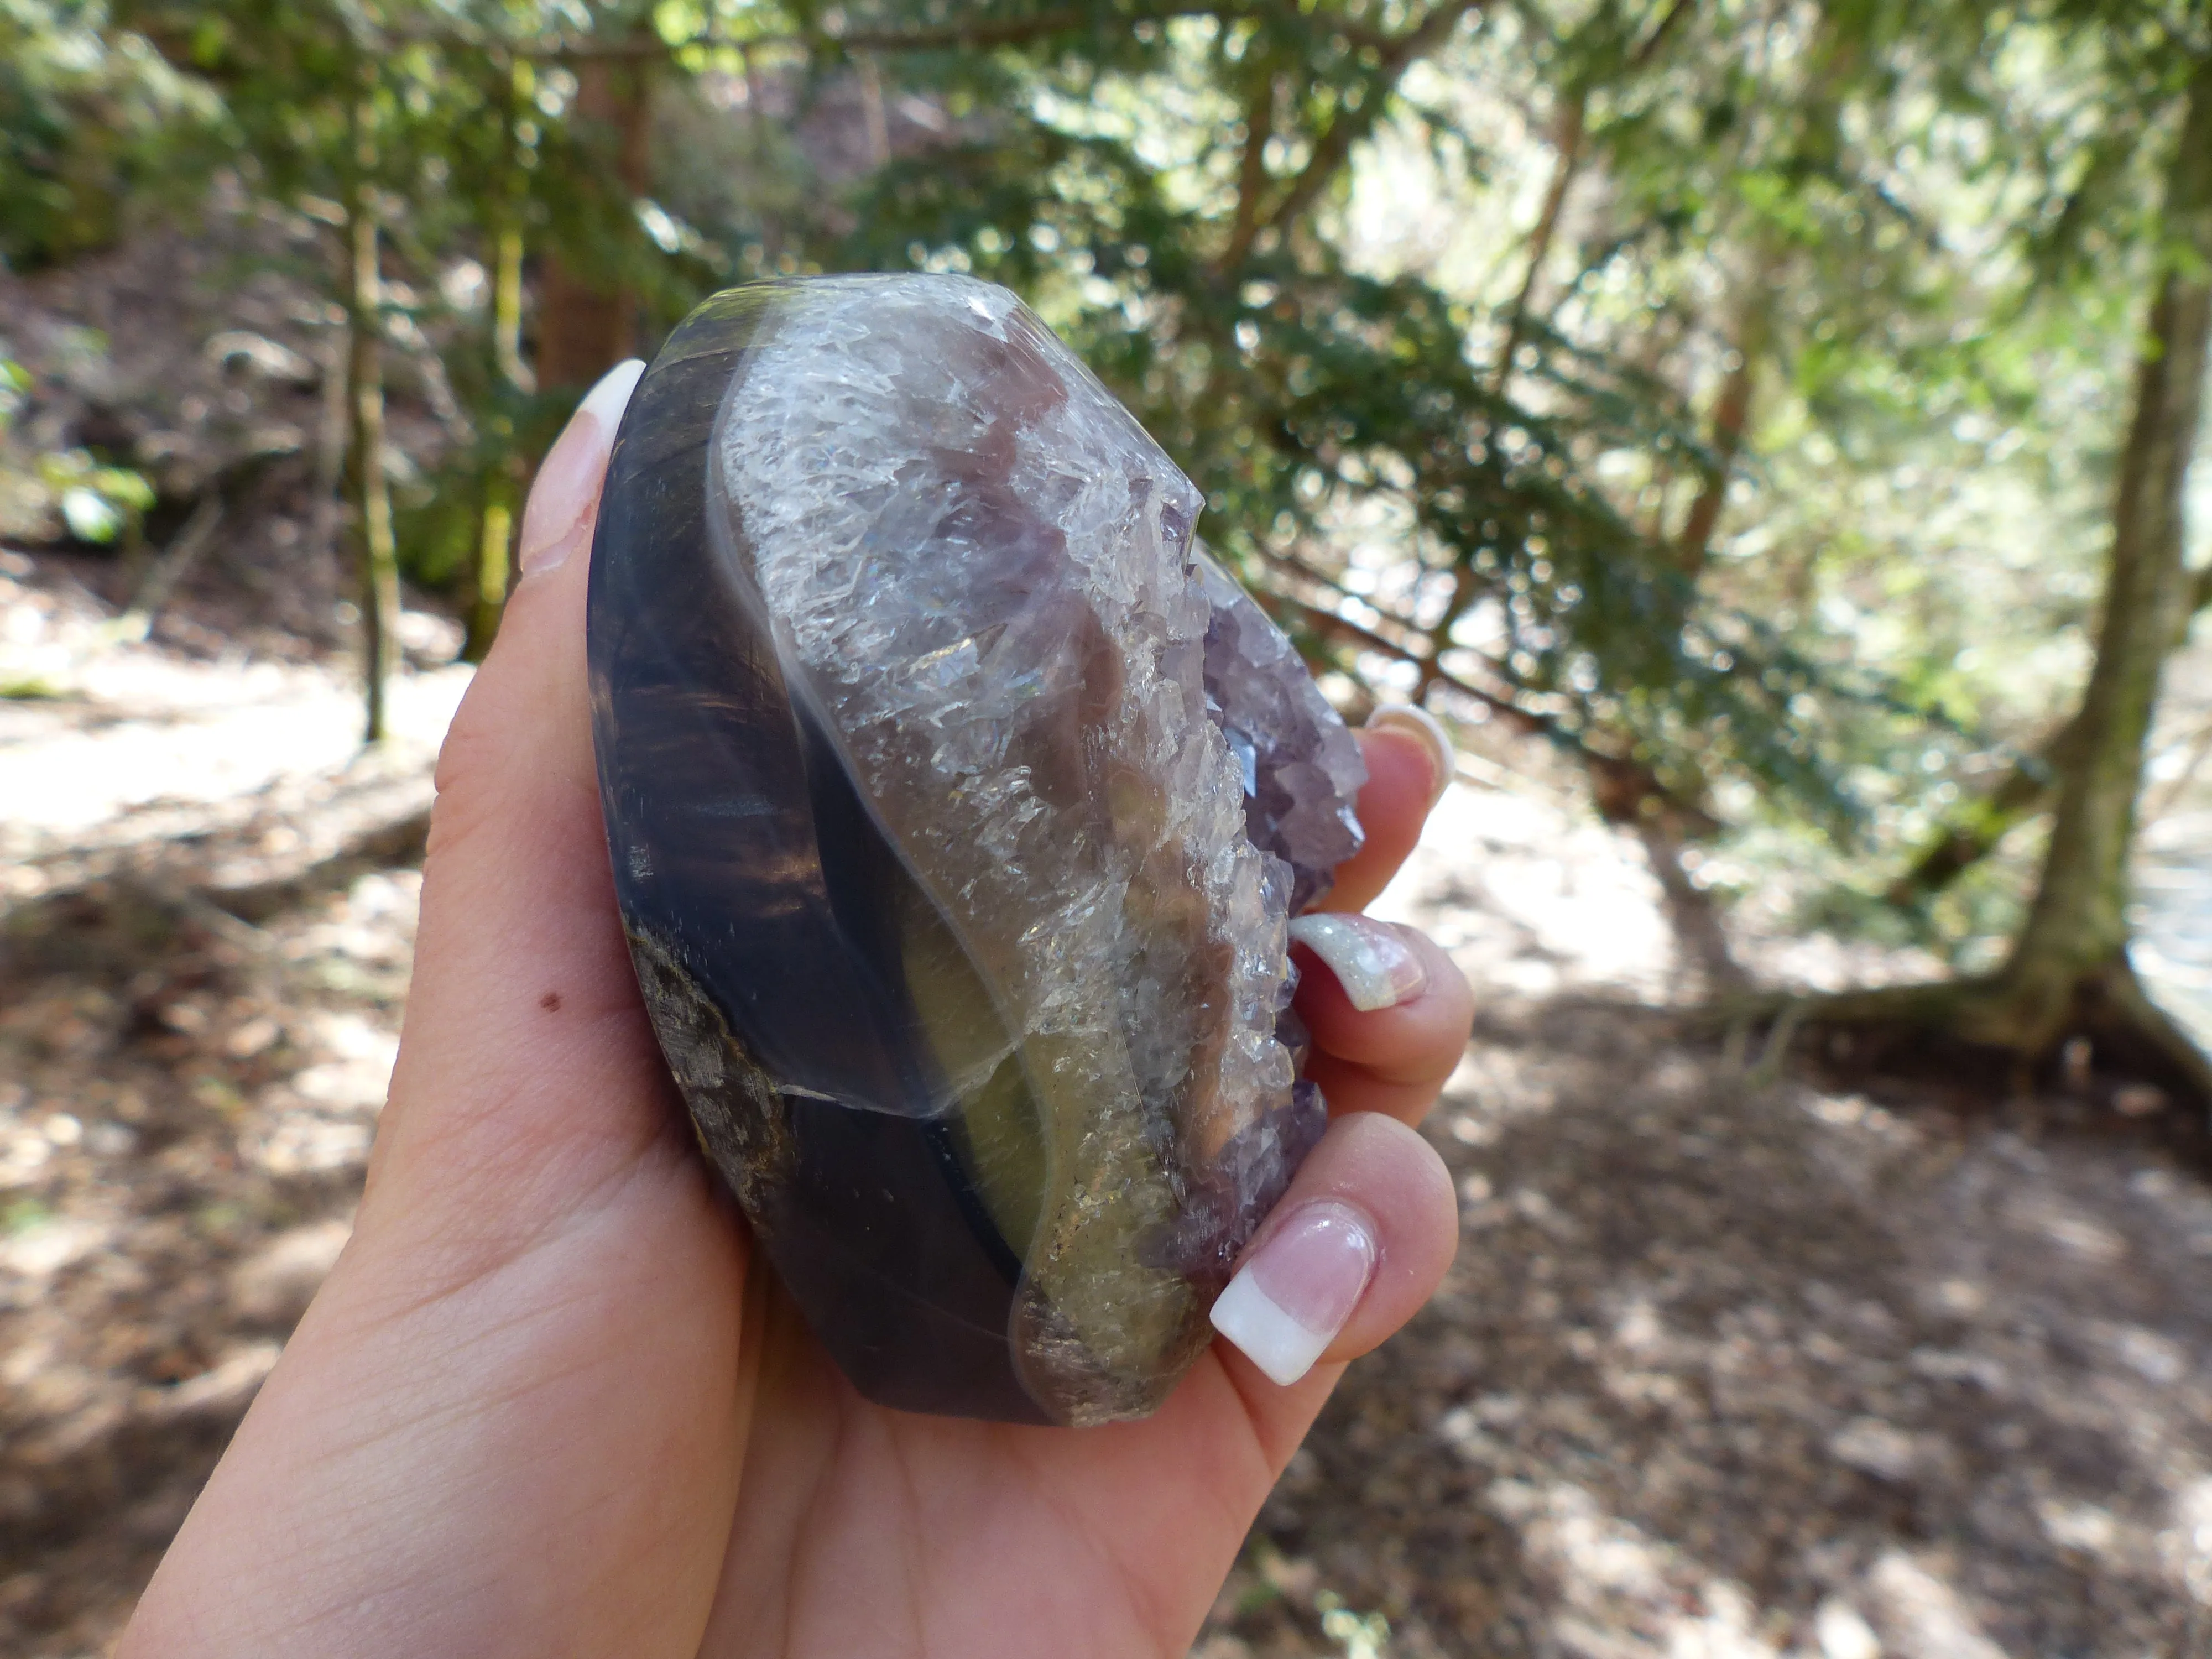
x,y
551,1402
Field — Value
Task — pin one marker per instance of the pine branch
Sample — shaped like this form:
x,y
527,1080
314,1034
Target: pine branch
x,y
1568,147
571,48
1252,172
1333,148
1327,622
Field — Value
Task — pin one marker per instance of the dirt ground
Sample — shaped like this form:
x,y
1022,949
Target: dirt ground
x,y
1731,1364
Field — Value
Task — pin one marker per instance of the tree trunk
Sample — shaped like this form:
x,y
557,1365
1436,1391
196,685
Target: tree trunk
x,y
509,378
377,554
1251,168
585,323
1974,830
1970,832
333,438
1700,936
2071,957
875,121
1628,795
1731,418
495,525
1567,151
1566,159
1567,137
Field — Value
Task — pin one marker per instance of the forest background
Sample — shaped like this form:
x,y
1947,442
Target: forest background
x,y
1775,424
1785,412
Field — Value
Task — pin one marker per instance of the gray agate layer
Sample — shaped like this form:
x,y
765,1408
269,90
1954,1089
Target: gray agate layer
x,y
958,808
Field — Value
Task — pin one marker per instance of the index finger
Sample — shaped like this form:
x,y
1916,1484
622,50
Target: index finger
x,y
1409,765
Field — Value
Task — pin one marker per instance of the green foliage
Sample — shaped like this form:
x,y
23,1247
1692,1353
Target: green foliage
x,y
46,493
1307,396
1723,393
89,117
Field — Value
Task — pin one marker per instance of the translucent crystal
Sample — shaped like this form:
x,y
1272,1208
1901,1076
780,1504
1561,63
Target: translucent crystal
x,y
960,919
1301,769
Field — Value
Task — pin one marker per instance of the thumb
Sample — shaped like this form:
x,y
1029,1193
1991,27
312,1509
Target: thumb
x,y
516,1384
526,1073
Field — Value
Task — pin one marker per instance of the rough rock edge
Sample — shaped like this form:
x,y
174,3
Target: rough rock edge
x,y
736,1110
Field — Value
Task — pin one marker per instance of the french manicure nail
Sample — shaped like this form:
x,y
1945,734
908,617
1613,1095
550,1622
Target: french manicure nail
x,y
1295,1292
1372,960
1420,724
569,478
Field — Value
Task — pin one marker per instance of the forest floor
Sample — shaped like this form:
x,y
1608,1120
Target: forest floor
x,y
1732,1364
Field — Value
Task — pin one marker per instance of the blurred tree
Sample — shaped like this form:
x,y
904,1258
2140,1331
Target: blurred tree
x,y
1606,459
587,308
1175,192
89,118
2069,973
369,480
510,380
405,126
1171,192
314,123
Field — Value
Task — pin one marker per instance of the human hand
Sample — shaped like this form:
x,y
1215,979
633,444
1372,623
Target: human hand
x,y
550,1401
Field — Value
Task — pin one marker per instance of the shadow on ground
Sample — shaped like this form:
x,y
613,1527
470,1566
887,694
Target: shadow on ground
x,y
1733,1370
186,1100
1724,1369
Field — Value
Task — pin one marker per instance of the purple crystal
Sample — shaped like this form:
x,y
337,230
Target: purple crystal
x,y
958,808
1303,770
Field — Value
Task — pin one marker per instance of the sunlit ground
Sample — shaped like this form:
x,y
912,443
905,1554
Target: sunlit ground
x,y
1730,1366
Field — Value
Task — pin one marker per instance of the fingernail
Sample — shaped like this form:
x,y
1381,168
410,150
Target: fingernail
x,y
1418,723
1371,959
569,478
1294,1293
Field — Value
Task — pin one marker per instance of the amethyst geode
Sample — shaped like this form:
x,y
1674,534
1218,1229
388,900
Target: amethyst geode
x,y
957,806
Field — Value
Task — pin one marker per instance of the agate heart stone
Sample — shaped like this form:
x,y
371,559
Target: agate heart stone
x,y
957,805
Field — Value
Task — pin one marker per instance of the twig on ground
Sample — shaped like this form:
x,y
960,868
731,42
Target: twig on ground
x,y
170,568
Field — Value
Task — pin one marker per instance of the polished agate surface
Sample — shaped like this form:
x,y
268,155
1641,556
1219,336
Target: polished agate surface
x,y
957,803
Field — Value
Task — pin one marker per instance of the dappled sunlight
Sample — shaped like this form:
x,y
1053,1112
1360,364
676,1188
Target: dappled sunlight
x,y
1714,1362
132,747
1719,1360
1754,430
186,1097
1532,898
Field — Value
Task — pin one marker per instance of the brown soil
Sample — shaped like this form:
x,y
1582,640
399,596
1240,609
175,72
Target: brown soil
x,y
1727,1367
1730,1370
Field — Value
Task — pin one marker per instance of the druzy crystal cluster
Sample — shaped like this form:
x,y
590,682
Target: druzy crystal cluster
x,y
958,805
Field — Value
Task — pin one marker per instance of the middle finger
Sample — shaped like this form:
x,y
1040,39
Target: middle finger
x,y
1393,1054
